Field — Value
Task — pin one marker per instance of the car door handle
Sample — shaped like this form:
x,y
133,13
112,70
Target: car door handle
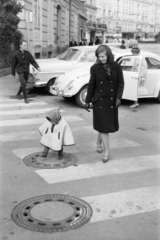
x,y
134,78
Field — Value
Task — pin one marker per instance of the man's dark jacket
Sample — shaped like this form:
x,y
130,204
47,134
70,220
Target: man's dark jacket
x,y
21,62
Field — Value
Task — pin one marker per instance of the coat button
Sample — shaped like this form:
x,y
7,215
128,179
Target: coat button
x,y
100,98
101,82
100,90
100,107
111,106
111,89
111,98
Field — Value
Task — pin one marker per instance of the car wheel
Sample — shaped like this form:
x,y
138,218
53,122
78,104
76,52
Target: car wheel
x,y
158,98
50,83
81,96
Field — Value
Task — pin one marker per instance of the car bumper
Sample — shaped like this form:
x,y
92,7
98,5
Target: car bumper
x,y
59,93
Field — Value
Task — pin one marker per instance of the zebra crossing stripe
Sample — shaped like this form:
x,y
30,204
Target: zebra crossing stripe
x,y
29,111
125,203
84,171
22,104
32,121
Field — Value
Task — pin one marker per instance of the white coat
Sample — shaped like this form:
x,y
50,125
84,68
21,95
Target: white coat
x,y
61,135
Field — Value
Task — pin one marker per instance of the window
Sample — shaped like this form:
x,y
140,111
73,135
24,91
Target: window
x,y
153,63
130,64
37,14
88,57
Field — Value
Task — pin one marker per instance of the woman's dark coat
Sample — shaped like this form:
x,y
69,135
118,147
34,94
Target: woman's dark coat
x,y
103,91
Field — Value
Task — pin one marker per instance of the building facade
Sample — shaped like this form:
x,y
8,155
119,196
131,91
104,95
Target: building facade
x,y
140,17
93,27
49,25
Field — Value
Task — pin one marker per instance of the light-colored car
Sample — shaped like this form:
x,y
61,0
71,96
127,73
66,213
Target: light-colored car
x,y
75,83
73,58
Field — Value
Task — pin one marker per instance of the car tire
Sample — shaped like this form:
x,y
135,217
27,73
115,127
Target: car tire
x,y
81,96
50,83
158,98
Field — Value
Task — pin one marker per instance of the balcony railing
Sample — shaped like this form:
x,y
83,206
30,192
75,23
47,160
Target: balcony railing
x,y
96,25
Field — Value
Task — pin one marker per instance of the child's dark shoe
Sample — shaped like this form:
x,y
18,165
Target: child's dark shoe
x,y
44,154
60,154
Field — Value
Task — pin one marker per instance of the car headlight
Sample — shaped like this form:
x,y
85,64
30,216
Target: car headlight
x,y
69,86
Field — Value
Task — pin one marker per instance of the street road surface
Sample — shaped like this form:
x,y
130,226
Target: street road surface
x,y
123,193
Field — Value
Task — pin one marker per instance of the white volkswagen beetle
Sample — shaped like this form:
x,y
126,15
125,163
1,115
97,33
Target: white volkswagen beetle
x,y
75,83
72,58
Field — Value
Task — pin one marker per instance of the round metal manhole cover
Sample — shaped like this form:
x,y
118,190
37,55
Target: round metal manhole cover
x,y
51,213
51,162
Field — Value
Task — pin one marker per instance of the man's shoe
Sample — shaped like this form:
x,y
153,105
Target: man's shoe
x,y
19,97
134,105
26,101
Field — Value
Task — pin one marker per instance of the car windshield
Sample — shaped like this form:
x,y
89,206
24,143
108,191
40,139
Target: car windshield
x,y
70,55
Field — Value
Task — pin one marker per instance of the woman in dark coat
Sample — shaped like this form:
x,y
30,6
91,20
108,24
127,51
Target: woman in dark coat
x,y
105,91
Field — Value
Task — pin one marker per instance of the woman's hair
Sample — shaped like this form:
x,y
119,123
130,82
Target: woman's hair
x,y
107,50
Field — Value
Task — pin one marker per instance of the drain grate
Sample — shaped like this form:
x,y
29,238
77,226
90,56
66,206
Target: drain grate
x,y
23,213
68,160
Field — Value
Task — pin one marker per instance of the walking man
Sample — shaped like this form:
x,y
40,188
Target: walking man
x,y
20,62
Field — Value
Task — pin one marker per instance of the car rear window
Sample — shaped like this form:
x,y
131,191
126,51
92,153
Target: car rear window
x,y
153,63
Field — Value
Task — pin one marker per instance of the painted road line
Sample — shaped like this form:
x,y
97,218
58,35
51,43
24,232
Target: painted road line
x,y
117,143
84,171
8,100
32,121
124,203
23,152
21,104
19,136
30,111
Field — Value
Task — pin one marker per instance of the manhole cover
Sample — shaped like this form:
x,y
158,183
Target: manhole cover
x,y
51,162
51,213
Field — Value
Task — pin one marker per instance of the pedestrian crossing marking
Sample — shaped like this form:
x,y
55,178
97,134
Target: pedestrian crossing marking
x,y
124,203
32,121
30,111
9,100
84,171
23,152
22,104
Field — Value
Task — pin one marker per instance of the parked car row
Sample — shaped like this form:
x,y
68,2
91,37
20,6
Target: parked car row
x,y
68,74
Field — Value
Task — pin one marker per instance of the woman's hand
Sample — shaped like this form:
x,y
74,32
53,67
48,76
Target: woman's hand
x,y
117,103
87,105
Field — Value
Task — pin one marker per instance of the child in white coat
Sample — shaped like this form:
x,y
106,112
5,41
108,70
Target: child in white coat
x,y
56,133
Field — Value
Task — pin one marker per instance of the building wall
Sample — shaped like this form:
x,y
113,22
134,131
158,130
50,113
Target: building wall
x,y
48,26
130,15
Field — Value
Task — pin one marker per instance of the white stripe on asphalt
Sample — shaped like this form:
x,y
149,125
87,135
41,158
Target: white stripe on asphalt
x,y
30,111
23,152
9,100
32,121
21,104
124,203
84,171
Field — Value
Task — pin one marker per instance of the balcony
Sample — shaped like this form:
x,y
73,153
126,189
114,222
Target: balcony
x,y
96,26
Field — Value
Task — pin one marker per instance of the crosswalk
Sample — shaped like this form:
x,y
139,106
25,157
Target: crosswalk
x,y
106,206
